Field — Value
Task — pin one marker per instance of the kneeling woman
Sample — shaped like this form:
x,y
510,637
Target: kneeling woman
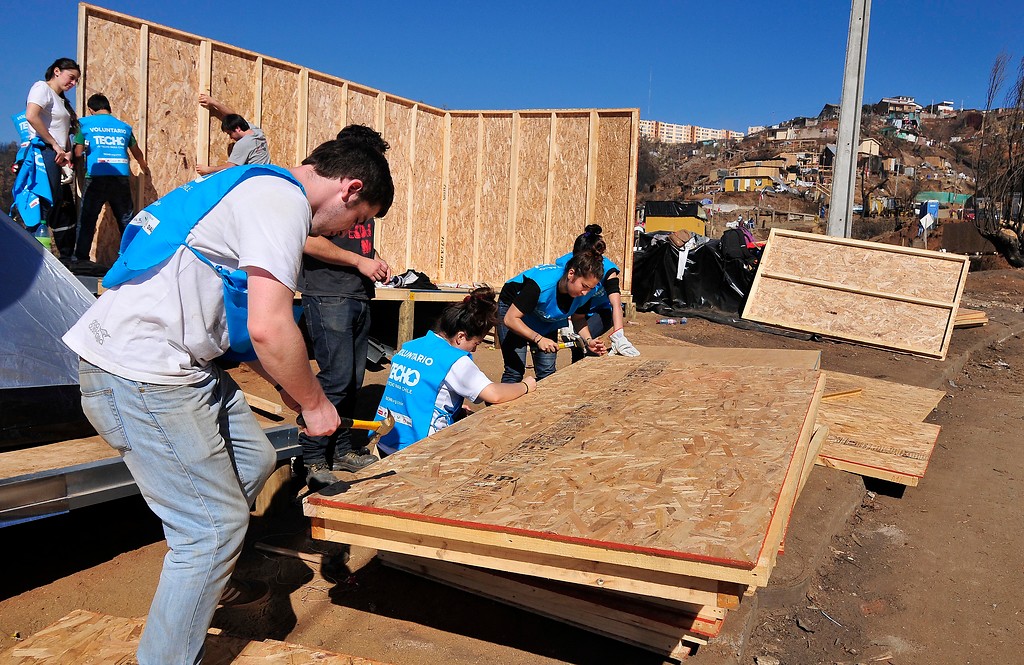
x,y
534,304
433,375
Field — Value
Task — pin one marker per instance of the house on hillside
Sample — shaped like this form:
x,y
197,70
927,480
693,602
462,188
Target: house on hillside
x,y
736,183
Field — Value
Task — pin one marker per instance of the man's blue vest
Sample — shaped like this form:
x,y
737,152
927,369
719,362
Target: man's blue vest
x,y
597,296
106,140
417,372
547,317
157,232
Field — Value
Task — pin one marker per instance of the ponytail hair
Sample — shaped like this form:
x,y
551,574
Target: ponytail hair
x,y
65,63
474,316
591,238
587,263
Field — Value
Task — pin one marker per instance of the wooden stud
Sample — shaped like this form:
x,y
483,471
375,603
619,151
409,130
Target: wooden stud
x,y
592,155
551,224
257,92
478,193
446,164
205,65
141,132
511,267
301,115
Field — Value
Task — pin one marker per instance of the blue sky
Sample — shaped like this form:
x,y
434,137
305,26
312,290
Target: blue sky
x,y
720,65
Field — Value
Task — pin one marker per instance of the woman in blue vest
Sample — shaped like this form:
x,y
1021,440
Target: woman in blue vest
x,y
433,375
603,309
534,304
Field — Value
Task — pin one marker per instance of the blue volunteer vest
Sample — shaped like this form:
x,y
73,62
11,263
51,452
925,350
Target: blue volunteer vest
x,y
31,186
106,141
417,372
157,232
547,317
24,129
598,296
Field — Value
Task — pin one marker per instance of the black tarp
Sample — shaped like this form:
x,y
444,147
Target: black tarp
x,y
39,301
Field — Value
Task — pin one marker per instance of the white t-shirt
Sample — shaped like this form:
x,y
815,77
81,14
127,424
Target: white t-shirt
x,y
463,381
55,114
166,326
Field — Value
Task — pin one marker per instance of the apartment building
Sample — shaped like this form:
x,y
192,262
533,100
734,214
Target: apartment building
x,y
667,132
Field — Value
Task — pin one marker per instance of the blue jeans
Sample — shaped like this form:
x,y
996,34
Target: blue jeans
x,y
340,330
513,352
199,458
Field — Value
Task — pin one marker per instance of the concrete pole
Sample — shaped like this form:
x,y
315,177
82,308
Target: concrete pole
x,y
844,178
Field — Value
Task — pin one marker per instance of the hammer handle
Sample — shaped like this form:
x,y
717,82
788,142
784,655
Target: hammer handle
x,y
348,423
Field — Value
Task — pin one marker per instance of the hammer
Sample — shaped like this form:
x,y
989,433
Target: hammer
x,y
378,427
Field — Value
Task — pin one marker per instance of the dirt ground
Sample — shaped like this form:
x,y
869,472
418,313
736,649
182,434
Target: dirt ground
x,y
875,575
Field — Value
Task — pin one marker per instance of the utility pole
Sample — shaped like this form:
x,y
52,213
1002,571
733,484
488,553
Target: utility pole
x,y
844,178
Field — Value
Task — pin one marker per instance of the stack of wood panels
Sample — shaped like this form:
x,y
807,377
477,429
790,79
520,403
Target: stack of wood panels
x,y
969,318
871,293
876,428
654,477
88,637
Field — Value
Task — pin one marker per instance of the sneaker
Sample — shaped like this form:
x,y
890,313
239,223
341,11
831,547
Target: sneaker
x,y
353,460
243,592
319,476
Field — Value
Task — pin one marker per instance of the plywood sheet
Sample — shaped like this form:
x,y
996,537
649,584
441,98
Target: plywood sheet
x,y
280,113
426,200
460,243
871,293
495,186
569,194
326,111
672,468
362,108
172,122
612,183
531,191
393,230
228,68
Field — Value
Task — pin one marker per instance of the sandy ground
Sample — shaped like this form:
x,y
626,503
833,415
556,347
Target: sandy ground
x,y
926,576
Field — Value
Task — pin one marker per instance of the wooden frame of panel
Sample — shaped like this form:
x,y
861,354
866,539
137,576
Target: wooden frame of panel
x,y
480,195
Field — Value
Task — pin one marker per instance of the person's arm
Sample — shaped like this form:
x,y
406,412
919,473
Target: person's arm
x,y
323,249
203,169
217,108
387,269
496,393
139,157
594,344
282,353
514,321
34,115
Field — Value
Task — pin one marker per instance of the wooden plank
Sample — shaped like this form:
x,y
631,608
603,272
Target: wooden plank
x,y
568,183
876,294
647,627
879,396
735,357
264,405
675,469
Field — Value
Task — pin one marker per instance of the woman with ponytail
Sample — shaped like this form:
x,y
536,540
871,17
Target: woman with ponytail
x,y
603,310
433,375
53,121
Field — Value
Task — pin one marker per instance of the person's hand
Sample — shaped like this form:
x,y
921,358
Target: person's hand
x,y
387,271
321,420
63,157
374,269
547,345
202,169
596,346
145,169
204,100
623,346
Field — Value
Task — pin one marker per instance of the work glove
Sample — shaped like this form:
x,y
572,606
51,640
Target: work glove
x,y
623,346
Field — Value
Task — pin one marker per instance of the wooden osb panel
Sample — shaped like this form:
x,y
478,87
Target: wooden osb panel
x,y
280,112
362,108
172,120
231,79
460,244
426,198
326,111
495,181
531,192
569,197
875,294
393,229
611,208
674,468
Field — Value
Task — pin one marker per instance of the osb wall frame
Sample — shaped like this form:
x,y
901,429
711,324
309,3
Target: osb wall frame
x,y
479,195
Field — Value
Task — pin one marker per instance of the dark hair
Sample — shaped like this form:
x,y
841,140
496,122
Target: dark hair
x,y
98,102
338,160
474,316
233,121
590,239
586,263
65,63
366,135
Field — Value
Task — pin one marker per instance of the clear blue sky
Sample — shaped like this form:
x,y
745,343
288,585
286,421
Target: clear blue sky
x,y
721,65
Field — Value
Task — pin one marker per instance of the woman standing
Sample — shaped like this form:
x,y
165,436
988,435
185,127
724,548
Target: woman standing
x,y
534,304
52,120
432,376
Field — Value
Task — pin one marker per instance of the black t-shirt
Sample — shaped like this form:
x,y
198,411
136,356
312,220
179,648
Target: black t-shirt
x,y
328,279
526,294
